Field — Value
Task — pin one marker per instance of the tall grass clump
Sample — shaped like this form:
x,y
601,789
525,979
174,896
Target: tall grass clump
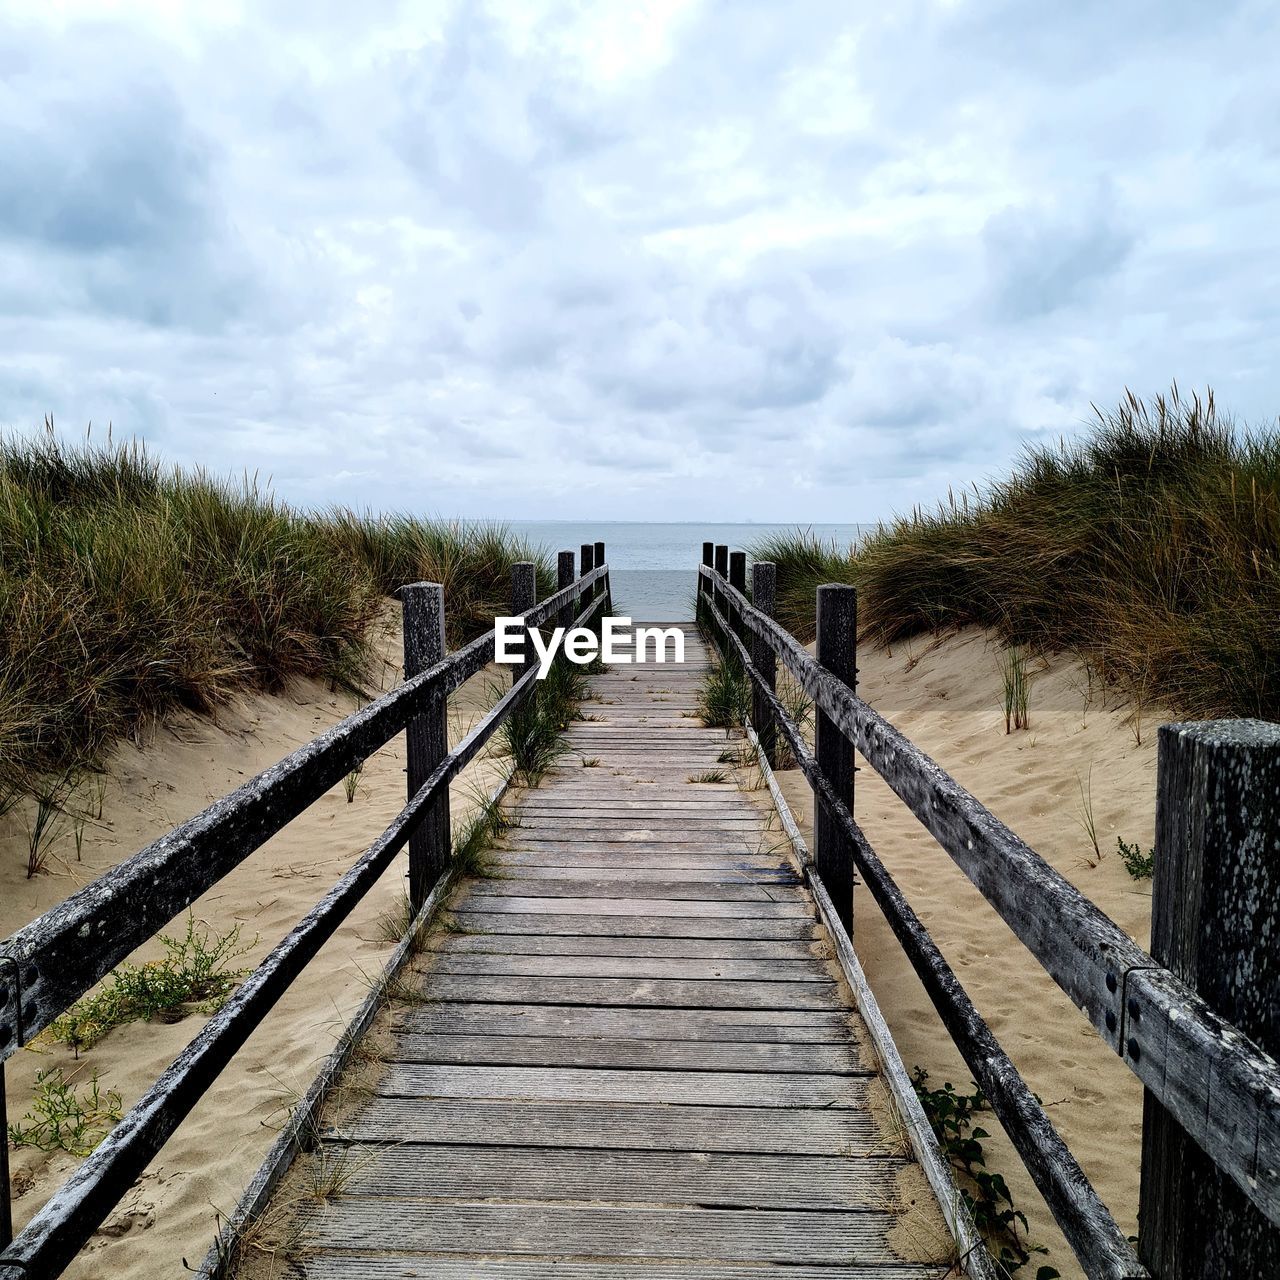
x,y
129,589
804,563
533,734
1150,546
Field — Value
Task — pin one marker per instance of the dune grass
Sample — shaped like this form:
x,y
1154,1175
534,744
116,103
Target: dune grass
x,y
129,588
1150,546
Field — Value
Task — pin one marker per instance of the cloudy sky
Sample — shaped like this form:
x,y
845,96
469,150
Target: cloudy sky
x,y
804,261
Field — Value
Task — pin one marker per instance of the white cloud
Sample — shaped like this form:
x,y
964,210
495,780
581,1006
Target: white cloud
x,y
667,260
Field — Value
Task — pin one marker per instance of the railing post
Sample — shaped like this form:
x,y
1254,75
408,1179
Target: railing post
x,y
764,597
737,580
837,652
524,595
603,588
564,578
1215,922
6,1202
722,571
699,597
586,562
427,737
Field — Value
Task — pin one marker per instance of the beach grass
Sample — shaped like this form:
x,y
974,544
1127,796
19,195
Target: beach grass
x,y
129,589
1149,546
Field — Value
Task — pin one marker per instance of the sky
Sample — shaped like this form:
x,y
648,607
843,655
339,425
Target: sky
x,y
643,260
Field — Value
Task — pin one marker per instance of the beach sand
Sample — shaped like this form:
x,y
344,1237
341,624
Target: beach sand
x,y
178,770
947,698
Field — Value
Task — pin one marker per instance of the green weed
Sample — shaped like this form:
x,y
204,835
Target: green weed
x,y
62,1119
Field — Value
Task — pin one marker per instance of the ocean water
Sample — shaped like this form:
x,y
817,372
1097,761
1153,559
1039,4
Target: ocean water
x,y
653,568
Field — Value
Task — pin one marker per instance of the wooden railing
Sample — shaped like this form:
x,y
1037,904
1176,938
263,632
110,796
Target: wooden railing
x,y
1211,1154
54,960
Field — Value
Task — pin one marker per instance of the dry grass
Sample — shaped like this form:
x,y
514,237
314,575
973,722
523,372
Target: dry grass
x,y
1150,547
128,589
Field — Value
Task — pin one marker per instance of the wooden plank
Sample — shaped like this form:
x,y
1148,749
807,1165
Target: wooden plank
x,y
823,1131
660,1055
675,993
567,945
647,907
343,1266
746,1235
581,1084
721,1180
705,868
576,966
673,889
721,1026
487,922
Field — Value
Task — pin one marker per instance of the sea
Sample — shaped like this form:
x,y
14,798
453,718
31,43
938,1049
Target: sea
x,y
653,567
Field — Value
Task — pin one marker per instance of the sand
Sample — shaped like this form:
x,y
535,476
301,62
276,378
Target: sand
x,y
947,697
179,769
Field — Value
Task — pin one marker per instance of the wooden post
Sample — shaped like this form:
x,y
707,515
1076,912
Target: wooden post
x,y
1215,922
427,737
722,560
763,596
564,578
603,588
738,579
524,595
6,1204
586,562
837,651
722,569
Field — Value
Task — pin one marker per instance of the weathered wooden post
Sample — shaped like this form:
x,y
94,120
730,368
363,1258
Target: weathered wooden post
x,y
700,593
722,571
586,562
1215,922
524,595
763,596
837,652
603,588
564,578
427,737
737,580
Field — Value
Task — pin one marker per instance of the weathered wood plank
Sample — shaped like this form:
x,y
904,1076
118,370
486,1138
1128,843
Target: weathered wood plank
x,y
647,907
343,1266
631,1126
721,1180
568,945
581,1084
774,1026
785,1236
661,1055
575,966
673,889
676,993
488,921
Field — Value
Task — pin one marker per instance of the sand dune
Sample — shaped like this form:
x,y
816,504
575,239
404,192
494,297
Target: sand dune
x,y
947,697
186,764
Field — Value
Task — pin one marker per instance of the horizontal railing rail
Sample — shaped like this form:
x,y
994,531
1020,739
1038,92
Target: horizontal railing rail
x,y
1219,1085
55,959
67,1220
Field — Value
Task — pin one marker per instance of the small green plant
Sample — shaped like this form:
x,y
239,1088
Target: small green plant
x,y
62,1119
533,734
194,975
351,782
1140,865
709,776
1003,1227
1017,684
724,699
475,835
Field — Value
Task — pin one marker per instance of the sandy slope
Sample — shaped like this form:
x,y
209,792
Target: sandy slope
x,y
186,764
947,698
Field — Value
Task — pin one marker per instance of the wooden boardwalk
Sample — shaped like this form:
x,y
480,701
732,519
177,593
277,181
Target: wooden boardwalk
x,y
637,1059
